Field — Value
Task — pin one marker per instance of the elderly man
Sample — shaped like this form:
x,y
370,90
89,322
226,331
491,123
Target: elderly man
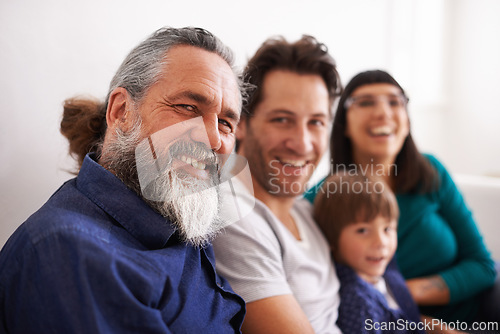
x,y
276,258
124,247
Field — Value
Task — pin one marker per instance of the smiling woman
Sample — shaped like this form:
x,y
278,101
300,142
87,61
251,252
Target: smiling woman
x,y
377,123
446,276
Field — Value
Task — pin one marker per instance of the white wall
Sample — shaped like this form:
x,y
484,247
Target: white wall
x,y
444,52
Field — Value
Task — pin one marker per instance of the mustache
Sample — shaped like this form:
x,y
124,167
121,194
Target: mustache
x,y
196,150
195,153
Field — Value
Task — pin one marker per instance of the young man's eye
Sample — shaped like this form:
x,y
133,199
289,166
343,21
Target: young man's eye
x,y
280,120
317,122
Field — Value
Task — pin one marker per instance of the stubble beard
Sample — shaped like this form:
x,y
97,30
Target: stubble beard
x,y
266,173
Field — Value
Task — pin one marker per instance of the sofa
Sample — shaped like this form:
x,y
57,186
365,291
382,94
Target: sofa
x,y
482,194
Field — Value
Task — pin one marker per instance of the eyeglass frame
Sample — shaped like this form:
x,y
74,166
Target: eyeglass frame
x,y
352,99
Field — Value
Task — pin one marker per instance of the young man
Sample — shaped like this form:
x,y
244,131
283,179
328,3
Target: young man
x,y
117,249
276,258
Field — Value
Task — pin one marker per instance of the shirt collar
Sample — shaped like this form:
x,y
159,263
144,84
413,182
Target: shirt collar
x,y
109,193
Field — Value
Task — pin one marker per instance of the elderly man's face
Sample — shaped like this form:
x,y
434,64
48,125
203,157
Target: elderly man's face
x,y
198,84
182,126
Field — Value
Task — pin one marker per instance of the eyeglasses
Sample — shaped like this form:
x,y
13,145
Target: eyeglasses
x,y
368,102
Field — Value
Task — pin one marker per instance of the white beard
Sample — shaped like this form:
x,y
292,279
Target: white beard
x,y
190,203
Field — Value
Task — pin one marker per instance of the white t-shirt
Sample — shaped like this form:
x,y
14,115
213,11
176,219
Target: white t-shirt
x,y
381,286
261,258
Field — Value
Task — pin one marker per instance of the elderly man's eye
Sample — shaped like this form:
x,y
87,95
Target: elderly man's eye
x,y
187,107
225,126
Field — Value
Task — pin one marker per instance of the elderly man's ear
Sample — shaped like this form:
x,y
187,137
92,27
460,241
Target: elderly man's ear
x,y
120,108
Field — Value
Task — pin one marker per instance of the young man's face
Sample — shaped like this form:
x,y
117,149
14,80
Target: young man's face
x,y
287,135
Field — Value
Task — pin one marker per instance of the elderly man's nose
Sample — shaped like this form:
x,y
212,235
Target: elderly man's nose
x,y
207,132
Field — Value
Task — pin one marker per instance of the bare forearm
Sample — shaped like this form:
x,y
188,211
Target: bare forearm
x,y
276,315
430,290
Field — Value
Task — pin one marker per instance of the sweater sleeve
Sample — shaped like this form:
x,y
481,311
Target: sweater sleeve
x,y
312,192
474,270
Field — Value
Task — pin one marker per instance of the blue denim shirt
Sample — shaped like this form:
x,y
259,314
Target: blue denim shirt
x,y
97,259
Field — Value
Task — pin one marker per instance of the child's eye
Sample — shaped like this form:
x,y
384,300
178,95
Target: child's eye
x,y
392,226
361,230
389,229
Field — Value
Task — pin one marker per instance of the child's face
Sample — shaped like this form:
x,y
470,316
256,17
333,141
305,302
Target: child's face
x,y
367,247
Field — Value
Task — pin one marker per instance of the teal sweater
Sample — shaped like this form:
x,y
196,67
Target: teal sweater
x,y
437,235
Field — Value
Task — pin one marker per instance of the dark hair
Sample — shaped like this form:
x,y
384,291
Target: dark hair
x,y
305,56
340,202
414,172
84,120
84,125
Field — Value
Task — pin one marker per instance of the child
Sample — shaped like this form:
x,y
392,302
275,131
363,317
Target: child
x,y
358,216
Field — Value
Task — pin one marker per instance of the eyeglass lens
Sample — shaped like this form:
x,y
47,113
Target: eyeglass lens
x,y
371,101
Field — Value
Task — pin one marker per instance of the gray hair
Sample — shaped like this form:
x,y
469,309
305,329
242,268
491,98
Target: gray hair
x,y
143,66
84,120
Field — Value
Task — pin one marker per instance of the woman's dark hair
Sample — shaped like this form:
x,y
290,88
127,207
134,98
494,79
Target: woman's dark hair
x,y
414,172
